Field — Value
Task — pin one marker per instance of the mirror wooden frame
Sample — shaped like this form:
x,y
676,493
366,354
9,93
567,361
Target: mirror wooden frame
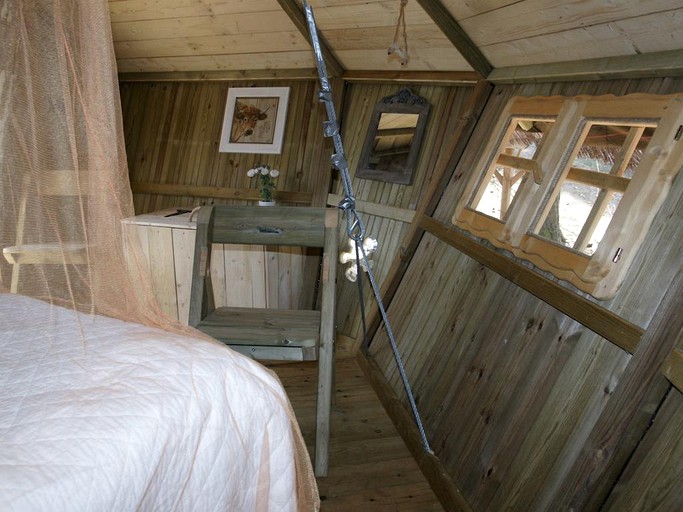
x,y
403,102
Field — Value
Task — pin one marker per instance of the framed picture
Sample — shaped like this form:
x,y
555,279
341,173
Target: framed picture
x,y
254,120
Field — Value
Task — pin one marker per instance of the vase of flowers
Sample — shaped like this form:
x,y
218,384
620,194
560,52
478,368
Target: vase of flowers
x,y
265,182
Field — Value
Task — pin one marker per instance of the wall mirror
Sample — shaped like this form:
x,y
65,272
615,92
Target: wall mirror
x,y
393,140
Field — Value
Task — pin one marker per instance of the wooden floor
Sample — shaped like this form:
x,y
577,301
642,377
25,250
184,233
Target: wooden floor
x,y
370,467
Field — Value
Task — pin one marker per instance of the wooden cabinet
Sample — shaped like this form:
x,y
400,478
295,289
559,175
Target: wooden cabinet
x,y
242,276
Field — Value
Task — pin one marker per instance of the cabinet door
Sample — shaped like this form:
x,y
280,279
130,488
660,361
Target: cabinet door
x,y
152,247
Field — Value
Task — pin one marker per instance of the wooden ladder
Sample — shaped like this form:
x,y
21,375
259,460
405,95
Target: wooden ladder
x,y
273,334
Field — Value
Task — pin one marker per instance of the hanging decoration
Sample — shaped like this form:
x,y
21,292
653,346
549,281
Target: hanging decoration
x,y
351,257
396,50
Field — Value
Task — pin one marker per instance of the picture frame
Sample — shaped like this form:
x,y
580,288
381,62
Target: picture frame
x,y
254,120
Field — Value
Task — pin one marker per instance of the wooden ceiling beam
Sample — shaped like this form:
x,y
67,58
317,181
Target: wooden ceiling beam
x,y
217,75
296,14
457,36
468,78
644,65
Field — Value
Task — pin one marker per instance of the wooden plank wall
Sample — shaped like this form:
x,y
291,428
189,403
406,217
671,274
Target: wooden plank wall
x,y
388,198
172,132
526,408
652,479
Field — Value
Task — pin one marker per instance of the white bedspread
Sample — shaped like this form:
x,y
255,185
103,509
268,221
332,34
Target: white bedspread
x,y
99,414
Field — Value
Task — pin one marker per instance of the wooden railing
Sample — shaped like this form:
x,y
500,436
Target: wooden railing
x,y
168,189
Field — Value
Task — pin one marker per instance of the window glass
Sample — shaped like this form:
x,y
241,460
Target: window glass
x,y
575,221
587,200
522,143
500,191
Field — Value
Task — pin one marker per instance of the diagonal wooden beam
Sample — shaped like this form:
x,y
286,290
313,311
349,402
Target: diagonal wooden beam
x,y
432,468
454,32
673,368
429,200
296,14
604,322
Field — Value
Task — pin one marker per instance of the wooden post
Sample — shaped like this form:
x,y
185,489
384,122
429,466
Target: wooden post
x,y
201,293
326,349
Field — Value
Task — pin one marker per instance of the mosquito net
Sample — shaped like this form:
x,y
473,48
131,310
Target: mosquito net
x,y
64,179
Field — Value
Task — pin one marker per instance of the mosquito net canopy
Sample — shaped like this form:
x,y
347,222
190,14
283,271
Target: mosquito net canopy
x,y
64,180
65,190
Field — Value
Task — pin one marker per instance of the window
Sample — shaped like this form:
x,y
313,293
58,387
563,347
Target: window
x,y
499,187
572,184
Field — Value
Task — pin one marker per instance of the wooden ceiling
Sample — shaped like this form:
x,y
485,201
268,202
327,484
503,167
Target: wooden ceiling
x,y
239,35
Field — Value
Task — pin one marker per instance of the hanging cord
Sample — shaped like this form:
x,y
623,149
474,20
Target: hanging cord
x,y
354,225
397,356
361,297
400,51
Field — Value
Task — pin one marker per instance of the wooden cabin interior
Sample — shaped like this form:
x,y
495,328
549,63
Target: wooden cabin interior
x,y
519,170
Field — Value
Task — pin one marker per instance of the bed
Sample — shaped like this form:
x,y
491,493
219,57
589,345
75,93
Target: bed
x,y
100,414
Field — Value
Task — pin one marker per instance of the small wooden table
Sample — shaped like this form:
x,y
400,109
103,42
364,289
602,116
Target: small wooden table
x,y
243,275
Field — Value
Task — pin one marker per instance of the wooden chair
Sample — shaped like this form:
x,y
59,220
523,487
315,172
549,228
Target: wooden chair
x,y
55,184
275,334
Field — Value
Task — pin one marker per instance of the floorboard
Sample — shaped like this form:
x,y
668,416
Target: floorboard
x,y
370,466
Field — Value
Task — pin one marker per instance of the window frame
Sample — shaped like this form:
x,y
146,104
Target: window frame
x,y
601,273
